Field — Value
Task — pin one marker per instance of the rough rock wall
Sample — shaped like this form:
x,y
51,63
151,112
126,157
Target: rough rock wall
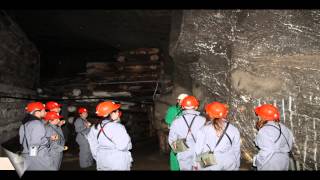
x,y
19,74
275,59
249,57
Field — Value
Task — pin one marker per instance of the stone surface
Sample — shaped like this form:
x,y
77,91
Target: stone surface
x,y
250,57
19,67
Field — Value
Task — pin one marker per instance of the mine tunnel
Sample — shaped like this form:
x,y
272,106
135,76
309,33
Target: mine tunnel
x,y
144,59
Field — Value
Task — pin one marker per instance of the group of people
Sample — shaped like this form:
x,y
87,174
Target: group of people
x,y
198,142
107,142
41,136
211,142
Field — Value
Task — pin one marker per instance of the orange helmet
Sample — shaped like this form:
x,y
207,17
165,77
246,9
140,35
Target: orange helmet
x,y
51,116
268,112
189,102
82,110
52,104
35,106
216,110
103,109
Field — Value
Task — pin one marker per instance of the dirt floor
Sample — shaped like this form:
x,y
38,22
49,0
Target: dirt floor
x,y
145,154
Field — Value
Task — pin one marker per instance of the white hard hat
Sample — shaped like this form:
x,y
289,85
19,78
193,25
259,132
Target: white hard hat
x,y
182,96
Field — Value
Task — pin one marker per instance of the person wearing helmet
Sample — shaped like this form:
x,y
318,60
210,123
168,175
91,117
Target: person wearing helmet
x,y
109,141
33,138
218,142
183,128
172,113
82,128
53,106
274,140
55,138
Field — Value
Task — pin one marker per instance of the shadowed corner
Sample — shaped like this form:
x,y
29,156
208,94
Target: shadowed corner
x,y
14,159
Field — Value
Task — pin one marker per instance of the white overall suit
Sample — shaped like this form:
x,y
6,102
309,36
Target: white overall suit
x,y
179,130
110,147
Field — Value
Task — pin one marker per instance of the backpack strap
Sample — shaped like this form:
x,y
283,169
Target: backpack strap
x,y
24,136
276,128
101,130
189,127
224,132
290,152
229,138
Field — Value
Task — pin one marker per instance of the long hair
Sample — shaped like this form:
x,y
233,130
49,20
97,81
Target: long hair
x,y
101,119
260,124
98,122
216,123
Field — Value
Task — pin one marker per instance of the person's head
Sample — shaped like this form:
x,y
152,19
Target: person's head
x,y
83,112
36,109
53,106
52,117
108,108
180,98
216,111
265,113
190,102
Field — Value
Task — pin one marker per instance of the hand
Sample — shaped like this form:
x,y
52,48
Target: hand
x,y
195,168
174,145
65,148
54,137
88,124
61,123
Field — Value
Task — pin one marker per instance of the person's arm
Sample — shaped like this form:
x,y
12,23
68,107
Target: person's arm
x,y
170,115
265,141
200,143
38,136
173,136
79,126
120,137
92,139
236,146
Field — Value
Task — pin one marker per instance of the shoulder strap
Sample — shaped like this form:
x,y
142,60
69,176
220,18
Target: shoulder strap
x,y
101,130
224,132
24,136
290,152
189,127
209,147
285,138
229,138
276,128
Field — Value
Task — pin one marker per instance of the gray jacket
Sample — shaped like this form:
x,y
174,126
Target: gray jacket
x,y
33,134
56,147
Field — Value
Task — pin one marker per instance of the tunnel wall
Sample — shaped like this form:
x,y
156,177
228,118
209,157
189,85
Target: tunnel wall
x,y
250,57
19,67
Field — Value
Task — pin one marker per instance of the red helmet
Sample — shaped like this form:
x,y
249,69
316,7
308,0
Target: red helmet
x,y
51,116
103,109
82,110
52,104
189,102
268,112
35,106
216,110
